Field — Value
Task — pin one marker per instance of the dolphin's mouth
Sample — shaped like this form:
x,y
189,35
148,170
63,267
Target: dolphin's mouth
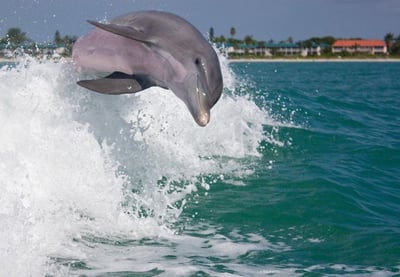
x,y
203,116
203,119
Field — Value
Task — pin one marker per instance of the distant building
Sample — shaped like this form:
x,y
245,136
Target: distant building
x,y
43,50
285,49
360,46
314,49
272,49
227,47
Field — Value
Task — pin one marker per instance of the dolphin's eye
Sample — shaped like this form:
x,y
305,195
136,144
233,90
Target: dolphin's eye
x,y
200,64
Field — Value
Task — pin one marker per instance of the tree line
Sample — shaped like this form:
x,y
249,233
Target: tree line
x,y
16,38
392,42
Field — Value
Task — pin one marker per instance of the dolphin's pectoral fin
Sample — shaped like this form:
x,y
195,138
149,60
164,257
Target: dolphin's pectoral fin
x,y
119,83
111,86
125,31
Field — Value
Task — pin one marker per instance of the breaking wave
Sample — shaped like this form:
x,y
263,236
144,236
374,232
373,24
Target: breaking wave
x,y
82,173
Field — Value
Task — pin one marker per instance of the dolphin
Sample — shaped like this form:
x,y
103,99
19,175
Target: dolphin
x,y
152,48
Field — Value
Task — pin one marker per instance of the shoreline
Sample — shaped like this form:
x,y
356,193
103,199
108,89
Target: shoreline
x,y
289,60
4,60
333,60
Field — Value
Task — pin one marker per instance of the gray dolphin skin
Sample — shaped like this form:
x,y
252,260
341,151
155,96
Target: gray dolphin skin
x,y
152,48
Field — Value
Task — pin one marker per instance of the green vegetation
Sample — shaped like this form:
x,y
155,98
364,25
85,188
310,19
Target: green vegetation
x,y
15,36
325,43
249,47
393,44
66,41
16,41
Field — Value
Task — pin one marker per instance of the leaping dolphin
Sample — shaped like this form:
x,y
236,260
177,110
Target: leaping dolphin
x,y
152,48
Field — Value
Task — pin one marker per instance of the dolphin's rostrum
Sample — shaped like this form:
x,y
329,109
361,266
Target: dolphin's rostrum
x,y
152,48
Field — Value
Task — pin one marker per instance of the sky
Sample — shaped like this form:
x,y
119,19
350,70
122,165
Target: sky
x,y
263,19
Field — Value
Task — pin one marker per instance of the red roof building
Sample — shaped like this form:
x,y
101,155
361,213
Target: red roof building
x,y
360,45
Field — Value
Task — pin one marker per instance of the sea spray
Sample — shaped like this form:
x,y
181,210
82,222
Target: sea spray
x,y
76,166
54,174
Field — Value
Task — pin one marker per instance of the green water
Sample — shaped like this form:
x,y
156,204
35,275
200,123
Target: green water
x,y
332,194
296,175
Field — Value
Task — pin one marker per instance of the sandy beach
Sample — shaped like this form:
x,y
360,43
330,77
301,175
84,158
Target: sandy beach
x,y
314,60
4,60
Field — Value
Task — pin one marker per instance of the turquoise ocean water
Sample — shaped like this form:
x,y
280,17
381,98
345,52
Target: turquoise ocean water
x,y
296,175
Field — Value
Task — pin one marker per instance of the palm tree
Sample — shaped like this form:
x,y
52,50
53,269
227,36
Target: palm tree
x,y
389,42
211,34
220,39
16,36
248,40
396,46
57,38
233,32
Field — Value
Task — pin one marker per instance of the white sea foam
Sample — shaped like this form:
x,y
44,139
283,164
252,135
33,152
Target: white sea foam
x,y
91,184
74,164
54,174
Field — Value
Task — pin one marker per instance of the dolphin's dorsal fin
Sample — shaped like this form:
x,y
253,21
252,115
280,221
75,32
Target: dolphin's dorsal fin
x,y
119,83
125,31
